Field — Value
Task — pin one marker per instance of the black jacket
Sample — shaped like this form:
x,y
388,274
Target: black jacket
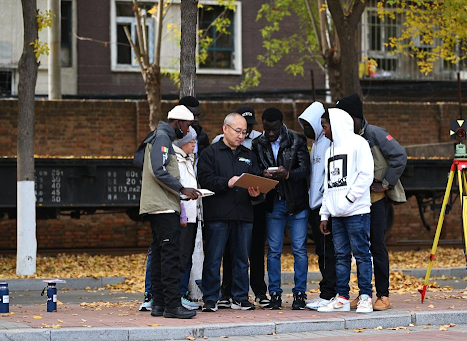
x,y
217,165
293,155
202,137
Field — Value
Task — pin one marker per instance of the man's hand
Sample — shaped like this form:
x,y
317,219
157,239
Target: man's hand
x,y
184,224
254,192
281,173
191,193
324,227
377,187
232,181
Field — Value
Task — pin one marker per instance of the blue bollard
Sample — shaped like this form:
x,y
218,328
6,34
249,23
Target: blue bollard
x,y
51,293
4,298
51,297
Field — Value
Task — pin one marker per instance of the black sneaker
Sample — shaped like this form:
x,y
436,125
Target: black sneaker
x,y
224,302
262,301
242,305
209,307
276,302
156,310
299,301
179,313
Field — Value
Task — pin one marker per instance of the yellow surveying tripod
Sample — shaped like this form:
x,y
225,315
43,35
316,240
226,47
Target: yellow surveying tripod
x,y
459,164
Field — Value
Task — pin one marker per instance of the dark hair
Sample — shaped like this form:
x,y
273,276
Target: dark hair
x,y
272,114
326,115
189,101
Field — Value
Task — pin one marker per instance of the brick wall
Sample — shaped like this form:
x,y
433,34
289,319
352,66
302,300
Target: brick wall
x,y
115,128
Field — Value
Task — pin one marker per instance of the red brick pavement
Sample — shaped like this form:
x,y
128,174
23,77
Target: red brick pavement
x,y
126,314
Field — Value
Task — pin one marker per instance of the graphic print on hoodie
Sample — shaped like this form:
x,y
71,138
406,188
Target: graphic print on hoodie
x,y
348,170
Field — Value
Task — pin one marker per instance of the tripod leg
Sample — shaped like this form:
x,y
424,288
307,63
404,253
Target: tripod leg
x,y
438,231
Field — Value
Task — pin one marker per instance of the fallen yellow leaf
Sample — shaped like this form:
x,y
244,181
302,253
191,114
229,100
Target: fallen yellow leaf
x,y
154,325
431,306
188,337
37,317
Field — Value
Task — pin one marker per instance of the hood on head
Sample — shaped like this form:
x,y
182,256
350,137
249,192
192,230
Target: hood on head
x,y
312,115
341,126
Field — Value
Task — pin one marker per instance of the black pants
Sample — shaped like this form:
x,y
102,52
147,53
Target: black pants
x,y
165,259
324,248
187,245
258,242
378,247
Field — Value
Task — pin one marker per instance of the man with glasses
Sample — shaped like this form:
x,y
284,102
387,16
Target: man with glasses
x,y
283,155
258,238
228,215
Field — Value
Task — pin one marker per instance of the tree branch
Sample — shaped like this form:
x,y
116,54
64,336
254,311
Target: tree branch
x,y
313,21
138,56
139,32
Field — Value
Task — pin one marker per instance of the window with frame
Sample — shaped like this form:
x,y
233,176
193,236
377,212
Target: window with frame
x,y
125,57
378,33
221,53
66,21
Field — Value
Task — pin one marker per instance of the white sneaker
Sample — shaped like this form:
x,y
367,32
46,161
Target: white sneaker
x,y
317,302
365,304
337,303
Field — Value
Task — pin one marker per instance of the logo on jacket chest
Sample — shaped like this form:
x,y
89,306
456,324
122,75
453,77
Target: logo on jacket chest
x,y
247,161
337,171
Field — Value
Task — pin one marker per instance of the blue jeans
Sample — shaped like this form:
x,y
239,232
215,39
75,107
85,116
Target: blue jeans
x,y
147,279
352,234
216,234
298,225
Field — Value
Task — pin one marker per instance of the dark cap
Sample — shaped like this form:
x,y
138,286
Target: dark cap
x,y
352,105
248,113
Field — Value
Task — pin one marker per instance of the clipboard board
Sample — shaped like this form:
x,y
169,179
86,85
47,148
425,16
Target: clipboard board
x,y
249,180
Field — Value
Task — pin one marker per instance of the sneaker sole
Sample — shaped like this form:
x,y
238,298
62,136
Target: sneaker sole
x,y
209,310
224,306
144,309
298,308
381,309
238,307
157,314
189,307
333,310
170,315
364,312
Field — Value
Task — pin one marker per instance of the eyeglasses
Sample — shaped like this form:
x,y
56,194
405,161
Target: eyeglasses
x,y
238,131
193,143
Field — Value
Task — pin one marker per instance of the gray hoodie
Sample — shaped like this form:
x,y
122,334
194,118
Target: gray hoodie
x,y
312,115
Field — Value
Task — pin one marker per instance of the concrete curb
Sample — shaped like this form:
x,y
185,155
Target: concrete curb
x,y
71,283
387,319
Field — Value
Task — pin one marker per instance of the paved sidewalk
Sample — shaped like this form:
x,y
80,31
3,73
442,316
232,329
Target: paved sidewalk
x,y
122,321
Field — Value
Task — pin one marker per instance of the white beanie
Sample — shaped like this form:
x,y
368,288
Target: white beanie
x,y
180,112
187,138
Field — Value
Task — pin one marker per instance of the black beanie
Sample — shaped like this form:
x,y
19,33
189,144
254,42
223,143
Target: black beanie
x,y
189,101
352,105
272,114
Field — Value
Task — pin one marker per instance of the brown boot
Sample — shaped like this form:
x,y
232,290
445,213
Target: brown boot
x,y
382,303
354,303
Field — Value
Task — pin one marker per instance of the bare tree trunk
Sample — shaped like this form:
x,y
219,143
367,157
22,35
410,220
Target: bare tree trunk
x,y
55,78
152,83
345,24
189,12
26,203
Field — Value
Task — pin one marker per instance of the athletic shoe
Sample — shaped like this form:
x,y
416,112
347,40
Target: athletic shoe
x,y
317,302
382,303
146,305
179,313
354,303
337,303
242,305
276,302
365,304
157,310
209,307
299,301
262,301
224,302
189,304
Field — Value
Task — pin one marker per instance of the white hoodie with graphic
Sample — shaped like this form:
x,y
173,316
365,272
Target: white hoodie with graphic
x,y
348,170
312,115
